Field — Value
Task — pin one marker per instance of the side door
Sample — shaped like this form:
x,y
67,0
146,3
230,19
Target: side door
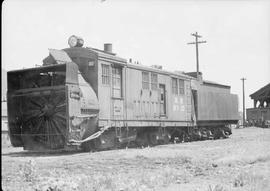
x,y
162,99
195,102
117,93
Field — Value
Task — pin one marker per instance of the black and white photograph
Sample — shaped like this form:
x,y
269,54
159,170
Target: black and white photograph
x,y
133,95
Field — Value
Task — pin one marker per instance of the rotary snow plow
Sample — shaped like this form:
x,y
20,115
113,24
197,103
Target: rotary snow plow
x,y
52,106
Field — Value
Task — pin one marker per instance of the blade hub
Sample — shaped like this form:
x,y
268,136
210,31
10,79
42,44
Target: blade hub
x,y
48,110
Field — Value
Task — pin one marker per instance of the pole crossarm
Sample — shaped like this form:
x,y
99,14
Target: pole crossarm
x,y
197,42
196,35
197,49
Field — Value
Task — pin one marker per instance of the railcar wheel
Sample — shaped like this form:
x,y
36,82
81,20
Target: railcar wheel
x,y
210,135
223,134
216,133
204,135
130,144
106,141
88,146
142,139
172,138
153,139
166,139
196,135
186,137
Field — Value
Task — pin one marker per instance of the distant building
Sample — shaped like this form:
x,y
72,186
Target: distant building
x,y
259,115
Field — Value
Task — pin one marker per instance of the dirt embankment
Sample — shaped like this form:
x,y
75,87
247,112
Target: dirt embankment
x,y
239,163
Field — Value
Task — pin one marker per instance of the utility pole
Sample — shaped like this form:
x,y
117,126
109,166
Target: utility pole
x,y
197,49
244,108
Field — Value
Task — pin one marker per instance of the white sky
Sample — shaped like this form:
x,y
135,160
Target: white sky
x,y
152,32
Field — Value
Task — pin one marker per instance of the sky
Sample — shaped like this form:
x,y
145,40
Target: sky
x,y
151,32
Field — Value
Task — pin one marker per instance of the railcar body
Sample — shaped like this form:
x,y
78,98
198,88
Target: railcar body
x,y
215,104
97,100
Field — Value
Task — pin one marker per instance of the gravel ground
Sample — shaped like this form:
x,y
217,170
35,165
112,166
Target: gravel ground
x,y
240,163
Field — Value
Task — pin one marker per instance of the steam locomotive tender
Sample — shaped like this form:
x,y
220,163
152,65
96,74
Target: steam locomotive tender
x,y
93,99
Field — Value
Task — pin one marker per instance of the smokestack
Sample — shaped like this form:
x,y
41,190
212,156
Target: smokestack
x,y
108,47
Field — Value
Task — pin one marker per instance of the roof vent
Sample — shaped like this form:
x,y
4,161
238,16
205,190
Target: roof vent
x,y
108,47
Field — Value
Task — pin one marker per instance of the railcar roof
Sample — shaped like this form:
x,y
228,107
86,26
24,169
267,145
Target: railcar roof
x,y
112,56
160,71
107,55
211,83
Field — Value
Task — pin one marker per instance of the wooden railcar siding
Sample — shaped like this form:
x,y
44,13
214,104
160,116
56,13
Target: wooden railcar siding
x,y
143,104
139,103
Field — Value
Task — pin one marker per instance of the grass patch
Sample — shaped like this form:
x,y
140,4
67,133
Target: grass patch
x,y
28,171
217,187
251,182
